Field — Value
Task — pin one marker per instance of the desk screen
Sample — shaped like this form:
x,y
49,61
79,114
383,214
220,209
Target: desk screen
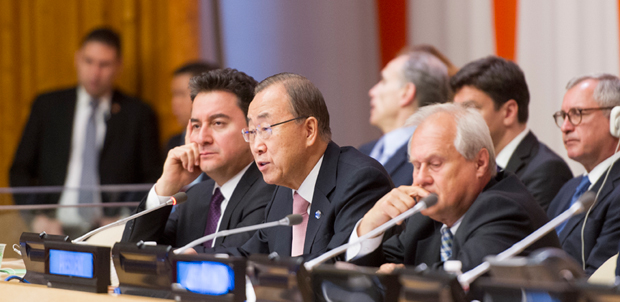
x,y
206,277
68,263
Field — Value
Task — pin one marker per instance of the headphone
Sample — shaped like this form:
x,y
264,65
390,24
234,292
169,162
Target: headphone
x,y
614,122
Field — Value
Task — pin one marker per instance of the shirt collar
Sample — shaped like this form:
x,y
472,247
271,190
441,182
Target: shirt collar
x,y
395,139
306,190
504,156
455,226
84,100
228,187
600,169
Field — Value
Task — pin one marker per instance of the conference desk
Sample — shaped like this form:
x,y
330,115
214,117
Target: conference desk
x,y
16,291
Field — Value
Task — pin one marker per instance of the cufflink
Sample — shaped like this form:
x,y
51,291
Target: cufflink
x,y
317,214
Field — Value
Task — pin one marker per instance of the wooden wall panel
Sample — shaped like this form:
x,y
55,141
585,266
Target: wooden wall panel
x,y
38,40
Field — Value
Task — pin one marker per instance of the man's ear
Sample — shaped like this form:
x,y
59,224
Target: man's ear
x,y
482,162
408,95
311,130
510,112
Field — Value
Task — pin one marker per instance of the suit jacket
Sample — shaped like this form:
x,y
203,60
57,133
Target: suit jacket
x,y
188,222
348,185
602,231
175,141
501,215
398,166
541,170
130,152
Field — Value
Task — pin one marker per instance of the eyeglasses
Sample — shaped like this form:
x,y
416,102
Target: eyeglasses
x,y
574,115
263,131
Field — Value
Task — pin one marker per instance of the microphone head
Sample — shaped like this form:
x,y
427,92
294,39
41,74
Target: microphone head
x,y
430,200
178,198
587,199
294,219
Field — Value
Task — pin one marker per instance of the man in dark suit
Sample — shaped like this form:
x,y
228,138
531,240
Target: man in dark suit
x,y
85,136
479,211
498,89
331,187
408,82
584,121
236,194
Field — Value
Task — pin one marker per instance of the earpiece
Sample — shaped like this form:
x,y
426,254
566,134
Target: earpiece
x,y
614,122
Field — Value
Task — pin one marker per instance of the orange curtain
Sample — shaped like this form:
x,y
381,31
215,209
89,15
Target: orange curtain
x,y
392,23
505,12
38,40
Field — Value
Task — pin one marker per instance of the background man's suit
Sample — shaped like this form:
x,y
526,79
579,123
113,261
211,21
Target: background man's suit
x,y
541,170
245,207
602,232
130,152
348,185
503,214
398,166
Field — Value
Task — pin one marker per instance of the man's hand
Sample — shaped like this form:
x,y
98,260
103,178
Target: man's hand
x,y
42,223
182,166
389,206
388,268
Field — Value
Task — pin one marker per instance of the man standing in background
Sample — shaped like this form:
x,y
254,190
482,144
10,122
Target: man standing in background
x,y
408,82
85,136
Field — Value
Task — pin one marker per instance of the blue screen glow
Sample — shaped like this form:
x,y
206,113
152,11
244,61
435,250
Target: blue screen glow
x,y
68,263
206,277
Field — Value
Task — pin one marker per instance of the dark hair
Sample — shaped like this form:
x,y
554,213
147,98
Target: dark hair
x,y
106,36
227,79
305,99
196,68
500,79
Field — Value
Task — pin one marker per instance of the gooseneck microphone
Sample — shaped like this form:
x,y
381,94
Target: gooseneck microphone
x,y
425,203
289,220
177,198
585,202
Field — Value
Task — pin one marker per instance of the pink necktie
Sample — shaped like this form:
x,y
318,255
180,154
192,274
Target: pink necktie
x,y
300,206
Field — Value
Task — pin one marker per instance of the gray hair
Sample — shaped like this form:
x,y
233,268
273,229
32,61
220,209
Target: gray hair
x,y
607,91
429,75
472,132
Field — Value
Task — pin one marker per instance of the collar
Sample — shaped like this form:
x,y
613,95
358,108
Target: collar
x,y
104,101
455,226
504,156
395,139
228,187
306,190
601,169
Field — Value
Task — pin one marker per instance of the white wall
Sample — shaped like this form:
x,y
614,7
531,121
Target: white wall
x,y
333,43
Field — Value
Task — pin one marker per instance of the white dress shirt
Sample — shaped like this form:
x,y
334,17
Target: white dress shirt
x,y
306,189
390,143
227,190
502,158
601,169
70,196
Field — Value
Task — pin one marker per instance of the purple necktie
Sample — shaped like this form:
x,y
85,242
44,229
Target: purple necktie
x,y
214,215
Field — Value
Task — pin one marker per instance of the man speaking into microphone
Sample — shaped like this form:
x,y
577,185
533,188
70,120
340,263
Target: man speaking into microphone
x,y
479,211
236,194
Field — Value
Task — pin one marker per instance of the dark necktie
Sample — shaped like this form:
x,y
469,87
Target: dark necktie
x,y
581,188
446,243
90,168
214,215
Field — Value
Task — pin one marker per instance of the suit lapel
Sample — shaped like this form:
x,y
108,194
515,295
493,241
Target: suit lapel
x,y
325,184
576,221
427,249
245,183
64,130
397,160
200,210
114,124
523,154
